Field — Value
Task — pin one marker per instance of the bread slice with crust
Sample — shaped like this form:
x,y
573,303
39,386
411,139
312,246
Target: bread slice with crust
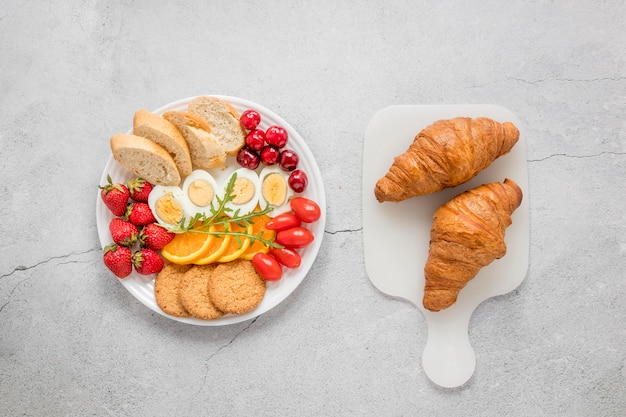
x,y
223,120
145,159
206,151
164,133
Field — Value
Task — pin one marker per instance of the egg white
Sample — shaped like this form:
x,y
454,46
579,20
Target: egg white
x,y
177,193
248,207
201,175
284,207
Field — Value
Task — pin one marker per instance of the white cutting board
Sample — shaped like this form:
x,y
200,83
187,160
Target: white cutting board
x,y
396,235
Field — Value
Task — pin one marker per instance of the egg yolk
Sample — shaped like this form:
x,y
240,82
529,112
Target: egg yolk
x,y
168,209
200,193
243,191
274,189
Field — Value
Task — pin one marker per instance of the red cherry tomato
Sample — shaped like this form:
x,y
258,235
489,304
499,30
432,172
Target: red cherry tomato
x,y
296,237
287,257
307,210
283,221
267,267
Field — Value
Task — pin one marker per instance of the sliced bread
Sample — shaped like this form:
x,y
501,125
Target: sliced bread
x,y
223,120
164,133
206,151
145,159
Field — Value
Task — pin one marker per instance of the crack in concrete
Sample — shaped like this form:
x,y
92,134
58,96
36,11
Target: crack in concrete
x,y
45,261
360,229
564,155
11,294
568,80
210,358
26,268
547,80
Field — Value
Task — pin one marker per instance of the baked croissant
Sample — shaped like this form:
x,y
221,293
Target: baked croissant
x,y
445,154
467,234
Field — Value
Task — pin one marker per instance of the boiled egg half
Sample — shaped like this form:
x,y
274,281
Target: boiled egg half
x,y
169,205
200,189
246,192
275,190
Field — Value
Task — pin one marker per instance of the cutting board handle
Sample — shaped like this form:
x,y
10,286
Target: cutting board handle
x,y
448,358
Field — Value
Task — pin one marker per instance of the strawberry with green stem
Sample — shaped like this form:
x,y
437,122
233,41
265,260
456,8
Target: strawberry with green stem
x,y
123,233
139,214
115,196
153,236
147,261
118,259
139,189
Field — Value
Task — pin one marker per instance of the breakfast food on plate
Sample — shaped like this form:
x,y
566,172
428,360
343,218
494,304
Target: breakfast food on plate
x,y
166,134
445,154
467,234
223,120
236,287
206,150
194,293
167,289
145,159
196,219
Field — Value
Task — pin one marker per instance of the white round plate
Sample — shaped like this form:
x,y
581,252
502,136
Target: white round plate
x,y
142,286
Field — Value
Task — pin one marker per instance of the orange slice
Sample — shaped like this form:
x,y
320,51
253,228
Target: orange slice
x,y
258,246
217,247
237,245
186,247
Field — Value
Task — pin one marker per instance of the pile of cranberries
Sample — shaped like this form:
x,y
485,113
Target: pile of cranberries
x,y
269,148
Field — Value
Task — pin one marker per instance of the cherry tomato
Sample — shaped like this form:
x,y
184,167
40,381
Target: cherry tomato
x,y
296,237
283,221
307,210
267,267
287,257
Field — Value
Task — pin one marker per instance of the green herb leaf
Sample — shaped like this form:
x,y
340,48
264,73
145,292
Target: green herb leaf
x,y
221,215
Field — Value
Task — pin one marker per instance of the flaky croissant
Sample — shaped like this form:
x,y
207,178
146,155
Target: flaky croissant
x,y
467,234
445,154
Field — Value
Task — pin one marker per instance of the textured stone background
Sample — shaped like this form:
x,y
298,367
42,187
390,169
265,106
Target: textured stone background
x,y
74,342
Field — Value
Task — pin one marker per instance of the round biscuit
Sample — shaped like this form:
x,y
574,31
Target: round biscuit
x,y
166,289
194,293
236,287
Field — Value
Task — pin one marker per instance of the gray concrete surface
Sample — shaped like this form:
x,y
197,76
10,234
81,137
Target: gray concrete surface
x,y
74,342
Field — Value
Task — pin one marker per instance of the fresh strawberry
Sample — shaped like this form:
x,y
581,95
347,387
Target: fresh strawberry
x,y
115,196
139,189
147,261
139,214
153,236
123,233
118,259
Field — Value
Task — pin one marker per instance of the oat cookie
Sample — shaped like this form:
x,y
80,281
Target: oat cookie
x,y
236,287
194,293
166,289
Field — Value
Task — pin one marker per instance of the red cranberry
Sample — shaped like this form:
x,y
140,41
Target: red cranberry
x,y
288,160
250,119
298,180
276,135
255,140
270,155
247,158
